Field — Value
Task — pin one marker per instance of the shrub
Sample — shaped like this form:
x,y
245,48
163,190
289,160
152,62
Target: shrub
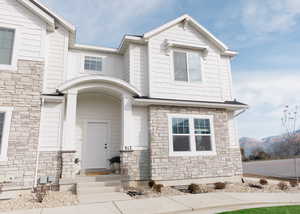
x,y
220,185
158,187
263,181
293,183
282,186
257,186
151,183
196,189
40,192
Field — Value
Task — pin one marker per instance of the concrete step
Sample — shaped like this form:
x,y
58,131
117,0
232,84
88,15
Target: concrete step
x,y
99,184
103,197
82,178
92,190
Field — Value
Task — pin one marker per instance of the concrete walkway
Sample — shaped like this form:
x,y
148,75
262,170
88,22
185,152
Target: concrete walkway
x,y
201,203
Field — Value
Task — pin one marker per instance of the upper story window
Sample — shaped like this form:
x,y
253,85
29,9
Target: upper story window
x,y
187,66
93,64
7,37
191,135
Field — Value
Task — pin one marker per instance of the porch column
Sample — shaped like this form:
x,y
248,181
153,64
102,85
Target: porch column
x,y
70,121
126,122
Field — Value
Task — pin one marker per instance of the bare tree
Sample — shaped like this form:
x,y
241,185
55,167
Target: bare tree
x,y
289,124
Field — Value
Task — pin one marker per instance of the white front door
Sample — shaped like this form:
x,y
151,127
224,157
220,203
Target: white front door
x,y
95,150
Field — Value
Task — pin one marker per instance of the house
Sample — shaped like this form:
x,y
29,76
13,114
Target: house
x,y
162,101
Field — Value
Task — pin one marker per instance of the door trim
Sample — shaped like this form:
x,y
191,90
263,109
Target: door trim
x,y
107,153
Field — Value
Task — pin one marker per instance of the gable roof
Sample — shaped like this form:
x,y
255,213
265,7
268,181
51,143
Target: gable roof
x,y
46,14
188,19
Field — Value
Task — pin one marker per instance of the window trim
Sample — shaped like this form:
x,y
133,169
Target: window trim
x,y
187,60
192,135
13,65
91,71
6,130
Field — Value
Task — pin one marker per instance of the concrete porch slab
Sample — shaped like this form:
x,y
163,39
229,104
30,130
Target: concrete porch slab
x,y
151,206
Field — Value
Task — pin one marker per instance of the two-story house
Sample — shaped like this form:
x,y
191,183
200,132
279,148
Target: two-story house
x,y
162,101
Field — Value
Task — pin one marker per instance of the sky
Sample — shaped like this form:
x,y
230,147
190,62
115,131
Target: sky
x,y
266,73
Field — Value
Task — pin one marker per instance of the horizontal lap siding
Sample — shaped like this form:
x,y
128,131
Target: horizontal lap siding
x,y
162,84
113,64
31,29
56,59
139,68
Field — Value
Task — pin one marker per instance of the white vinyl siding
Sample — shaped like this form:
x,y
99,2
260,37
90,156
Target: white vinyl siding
x,y
7,37
5,121
51,125
31,30
162,84
140,127
191,135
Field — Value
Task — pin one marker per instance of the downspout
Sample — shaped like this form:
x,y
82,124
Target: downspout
x,y
38,152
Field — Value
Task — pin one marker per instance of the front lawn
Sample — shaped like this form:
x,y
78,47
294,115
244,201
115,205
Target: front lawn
x,y
268,210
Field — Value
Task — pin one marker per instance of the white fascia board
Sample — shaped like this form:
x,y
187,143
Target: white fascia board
x,y
147,102
53,99
65,23
192,21
95,48
230,53
44,16
130,39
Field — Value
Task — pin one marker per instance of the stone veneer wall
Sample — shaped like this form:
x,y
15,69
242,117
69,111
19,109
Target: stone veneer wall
x,y
227,162
21,89
135,165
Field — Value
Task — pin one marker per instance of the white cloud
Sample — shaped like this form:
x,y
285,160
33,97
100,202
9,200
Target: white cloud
x,y
270,16
267,92
105,21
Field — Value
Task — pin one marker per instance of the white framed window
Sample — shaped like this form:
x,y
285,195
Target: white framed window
x,y
191,135
93,64
5,120
187,66
8,47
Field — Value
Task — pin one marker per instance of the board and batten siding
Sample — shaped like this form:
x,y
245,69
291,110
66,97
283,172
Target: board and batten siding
x,y
93,107
162,84
51,126
140,134
57,50
31,30
139,67
112,64
126,62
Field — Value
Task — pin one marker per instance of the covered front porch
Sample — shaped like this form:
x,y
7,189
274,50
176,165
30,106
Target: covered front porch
x,y
98,120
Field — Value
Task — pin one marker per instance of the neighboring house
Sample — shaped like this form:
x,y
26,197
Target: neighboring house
x,y
162,101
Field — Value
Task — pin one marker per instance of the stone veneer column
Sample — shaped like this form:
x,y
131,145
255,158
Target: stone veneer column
x,y
226,163
21,89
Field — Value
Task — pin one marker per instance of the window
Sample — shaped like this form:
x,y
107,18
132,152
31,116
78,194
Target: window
x,y
5,119
93,64
7,37
187,66
191,135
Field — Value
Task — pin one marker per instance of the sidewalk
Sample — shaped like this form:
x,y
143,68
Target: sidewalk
x,y
204,203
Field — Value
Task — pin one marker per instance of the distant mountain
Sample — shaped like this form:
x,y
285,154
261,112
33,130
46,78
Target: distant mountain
x,y
267,143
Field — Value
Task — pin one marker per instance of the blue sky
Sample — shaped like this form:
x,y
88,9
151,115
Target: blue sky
x,y
266,33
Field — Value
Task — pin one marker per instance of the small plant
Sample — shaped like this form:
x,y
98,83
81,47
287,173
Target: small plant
x,y
151,183
196,189
157,187
40,192
294,183
282,186
220,185
263,181
257,186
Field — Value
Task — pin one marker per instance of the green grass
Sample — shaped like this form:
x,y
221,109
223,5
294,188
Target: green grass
x,y
268,210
